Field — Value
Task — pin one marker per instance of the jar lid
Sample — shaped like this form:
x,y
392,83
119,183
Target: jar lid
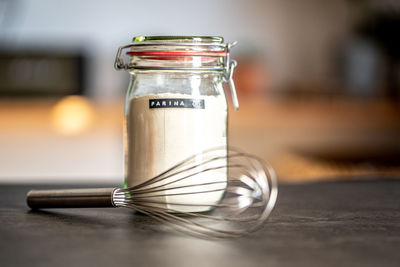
x,y
170,38
178,48
148,52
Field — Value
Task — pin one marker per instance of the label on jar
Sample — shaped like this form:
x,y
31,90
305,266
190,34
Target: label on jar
x,y
176,103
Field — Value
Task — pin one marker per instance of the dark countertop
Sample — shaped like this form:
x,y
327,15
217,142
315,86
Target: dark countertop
x,y
346,223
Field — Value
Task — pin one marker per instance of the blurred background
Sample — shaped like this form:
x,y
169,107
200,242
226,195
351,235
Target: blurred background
x,y
318,84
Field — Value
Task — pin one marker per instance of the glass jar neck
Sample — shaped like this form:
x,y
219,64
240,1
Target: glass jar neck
x,y
176,82
182,63
181,74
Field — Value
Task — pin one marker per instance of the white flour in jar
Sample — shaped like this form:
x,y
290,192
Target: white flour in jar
x,y
160,138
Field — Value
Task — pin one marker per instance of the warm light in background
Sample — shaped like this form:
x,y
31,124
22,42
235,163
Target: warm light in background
x,y
72,115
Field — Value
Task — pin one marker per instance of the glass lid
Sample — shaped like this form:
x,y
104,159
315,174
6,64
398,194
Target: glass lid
x,y
179,39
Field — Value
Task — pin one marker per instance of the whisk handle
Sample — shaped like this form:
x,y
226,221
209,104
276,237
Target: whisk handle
x,y
70,198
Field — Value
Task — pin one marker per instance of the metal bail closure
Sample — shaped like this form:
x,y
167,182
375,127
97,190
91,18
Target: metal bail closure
x,y
235,100
119,63
230,66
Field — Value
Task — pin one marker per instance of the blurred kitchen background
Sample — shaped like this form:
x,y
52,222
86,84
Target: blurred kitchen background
x,y
318,84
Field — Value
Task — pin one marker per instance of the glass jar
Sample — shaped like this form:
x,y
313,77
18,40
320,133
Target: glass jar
x,y
175,105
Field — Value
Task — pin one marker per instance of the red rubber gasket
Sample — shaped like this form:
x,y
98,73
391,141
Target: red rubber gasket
x,y
180,58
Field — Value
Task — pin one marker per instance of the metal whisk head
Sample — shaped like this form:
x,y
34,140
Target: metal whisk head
x,y
215,194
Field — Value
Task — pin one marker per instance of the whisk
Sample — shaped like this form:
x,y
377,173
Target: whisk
x,y
218,193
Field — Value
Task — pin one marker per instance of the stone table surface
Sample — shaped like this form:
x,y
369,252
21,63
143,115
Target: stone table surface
x,y
342,223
